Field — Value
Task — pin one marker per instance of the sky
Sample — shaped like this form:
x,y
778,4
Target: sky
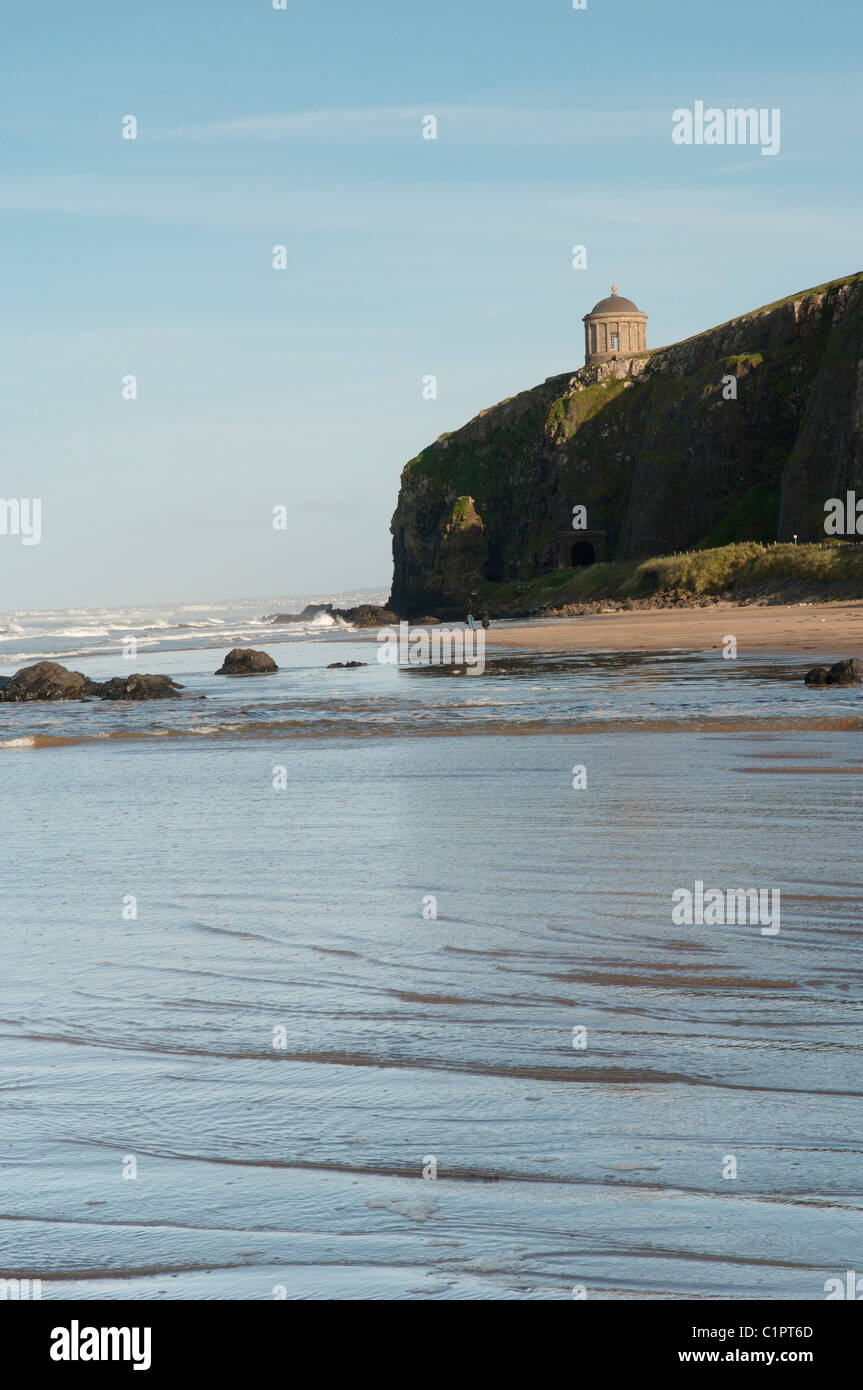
x,y
404,257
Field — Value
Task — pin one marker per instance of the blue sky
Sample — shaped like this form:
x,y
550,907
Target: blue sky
x,y
406,257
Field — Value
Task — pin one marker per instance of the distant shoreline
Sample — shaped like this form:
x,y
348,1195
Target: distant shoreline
x,y
833,628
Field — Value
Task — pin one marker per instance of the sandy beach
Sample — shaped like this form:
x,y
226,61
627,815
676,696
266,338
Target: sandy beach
x,y
823,630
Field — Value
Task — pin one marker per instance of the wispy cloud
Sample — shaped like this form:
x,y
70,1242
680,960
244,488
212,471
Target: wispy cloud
x,y
493,211
497,125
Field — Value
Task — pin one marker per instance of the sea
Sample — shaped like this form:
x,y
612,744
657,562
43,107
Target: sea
x,y
368,983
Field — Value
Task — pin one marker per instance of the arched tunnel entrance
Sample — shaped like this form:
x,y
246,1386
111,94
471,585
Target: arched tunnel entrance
x,y
582,554
586,547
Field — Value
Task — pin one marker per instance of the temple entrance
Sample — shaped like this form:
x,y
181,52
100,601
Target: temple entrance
x,y
581,555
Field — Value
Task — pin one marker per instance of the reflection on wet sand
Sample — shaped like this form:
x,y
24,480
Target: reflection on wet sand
x,y
282,1039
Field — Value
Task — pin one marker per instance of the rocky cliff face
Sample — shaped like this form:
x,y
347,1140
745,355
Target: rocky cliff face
x,y
655,447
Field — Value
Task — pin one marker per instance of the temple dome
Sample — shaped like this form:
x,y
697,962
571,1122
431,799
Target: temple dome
x,y
615,304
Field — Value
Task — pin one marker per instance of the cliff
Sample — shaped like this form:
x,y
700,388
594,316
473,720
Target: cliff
x,y
654,447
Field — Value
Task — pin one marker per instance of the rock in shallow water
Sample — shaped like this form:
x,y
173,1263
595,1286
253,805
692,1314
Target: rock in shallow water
x,y
840,673
817,676
245,661
47,680
141,687
367,615
308,615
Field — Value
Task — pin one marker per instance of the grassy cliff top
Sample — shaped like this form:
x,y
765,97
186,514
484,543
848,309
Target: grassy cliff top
x,y
798,297
521,414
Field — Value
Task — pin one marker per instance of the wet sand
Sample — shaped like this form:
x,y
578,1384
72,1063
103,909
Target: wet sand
x,y
236,1093
281,1040
826,630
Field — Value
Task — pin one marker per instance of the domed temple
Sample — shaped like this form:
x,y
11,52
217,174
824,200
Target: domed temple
x,y
615,327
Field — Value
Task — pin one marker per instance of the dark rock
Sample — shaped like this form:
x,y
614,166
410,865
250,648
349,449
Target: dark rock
x,y
345,665
47,681
840,673
139,687
846,672
817,676
311,611
245,661
367,615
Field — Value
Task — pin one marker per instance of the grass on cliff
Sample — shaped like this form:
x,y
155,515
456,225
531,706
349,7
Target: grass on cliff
x,y
746,569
